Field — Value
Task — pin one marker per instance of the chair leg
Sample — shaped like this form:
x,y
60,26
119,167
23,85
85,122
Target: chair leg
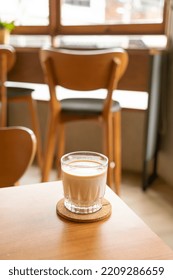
x,y
49,148
61,147
108,144
117,150
36,129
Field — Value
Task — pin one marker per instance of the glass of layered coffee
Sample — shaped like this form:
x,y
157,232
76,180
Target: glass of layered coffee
x,y
84,176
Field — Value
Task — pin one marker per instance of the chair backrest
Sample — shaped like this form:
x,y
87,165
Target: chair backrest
x,y
83,70
17,150
7,59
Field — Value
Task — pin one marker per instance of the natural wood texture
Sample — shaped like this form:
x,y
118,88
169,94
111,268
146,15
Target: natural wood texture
x,y
103,213
84,71
16,94
7,59
20,95
33,72
135,77
154,207
55,26
33,230
17,149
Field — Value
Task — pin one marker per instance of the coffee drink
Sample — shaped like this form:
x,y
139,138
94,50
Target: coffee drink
x,y
84,183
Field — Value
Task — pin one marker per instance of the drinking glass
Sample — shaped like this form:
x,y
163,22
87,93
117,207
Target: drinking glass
x,y
84,176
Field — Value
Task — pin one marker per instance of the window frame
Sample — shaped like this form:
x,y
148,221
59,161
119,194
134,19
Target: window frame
x,y
40,30
55,28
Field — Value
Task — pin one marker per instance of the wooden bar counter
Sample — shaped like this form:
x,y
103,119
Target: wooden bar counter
x,y
28,69
31,229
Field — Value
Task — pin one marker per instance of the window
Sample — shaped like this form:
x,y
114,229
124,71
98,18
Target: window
x,y
112,16
23,12
75,12
85,16
26,13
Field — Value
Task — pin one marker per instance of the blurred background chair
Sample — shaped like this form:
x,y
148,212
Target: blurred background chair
x,y
17,94
7,60
22,94
17,151
84,71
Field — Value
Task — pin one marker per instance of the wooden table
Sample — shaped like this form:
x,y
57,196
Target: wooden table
x,y
31,229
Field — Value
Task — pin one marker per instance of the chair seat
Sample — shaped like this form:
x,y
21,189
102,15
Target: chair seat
x,y
18,91
87,106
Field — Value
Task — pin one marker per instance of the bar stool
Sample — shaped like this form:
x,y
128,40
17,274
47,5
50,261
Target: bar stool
x,y
22,94
84,71
7,60
17,94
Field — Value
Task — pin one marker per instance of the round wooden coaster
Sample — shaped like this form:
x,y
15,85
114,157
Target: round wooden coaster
x,y
103,213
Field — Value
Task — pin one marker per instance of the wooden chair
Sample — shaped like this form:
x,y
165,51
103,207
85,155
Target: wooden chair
x,y
7,59
17,94
17,150
22,94
84,71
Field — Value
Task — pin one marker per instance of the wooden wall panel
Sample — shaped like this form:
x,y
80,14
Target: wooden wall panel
x,y
28,69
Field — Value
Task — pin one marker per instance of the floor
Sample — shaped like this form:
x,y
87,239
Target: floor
x,y
155,206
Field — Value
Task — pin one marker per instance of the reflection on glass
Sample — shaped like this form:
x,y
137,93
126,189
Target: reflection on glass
x,y
87,12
